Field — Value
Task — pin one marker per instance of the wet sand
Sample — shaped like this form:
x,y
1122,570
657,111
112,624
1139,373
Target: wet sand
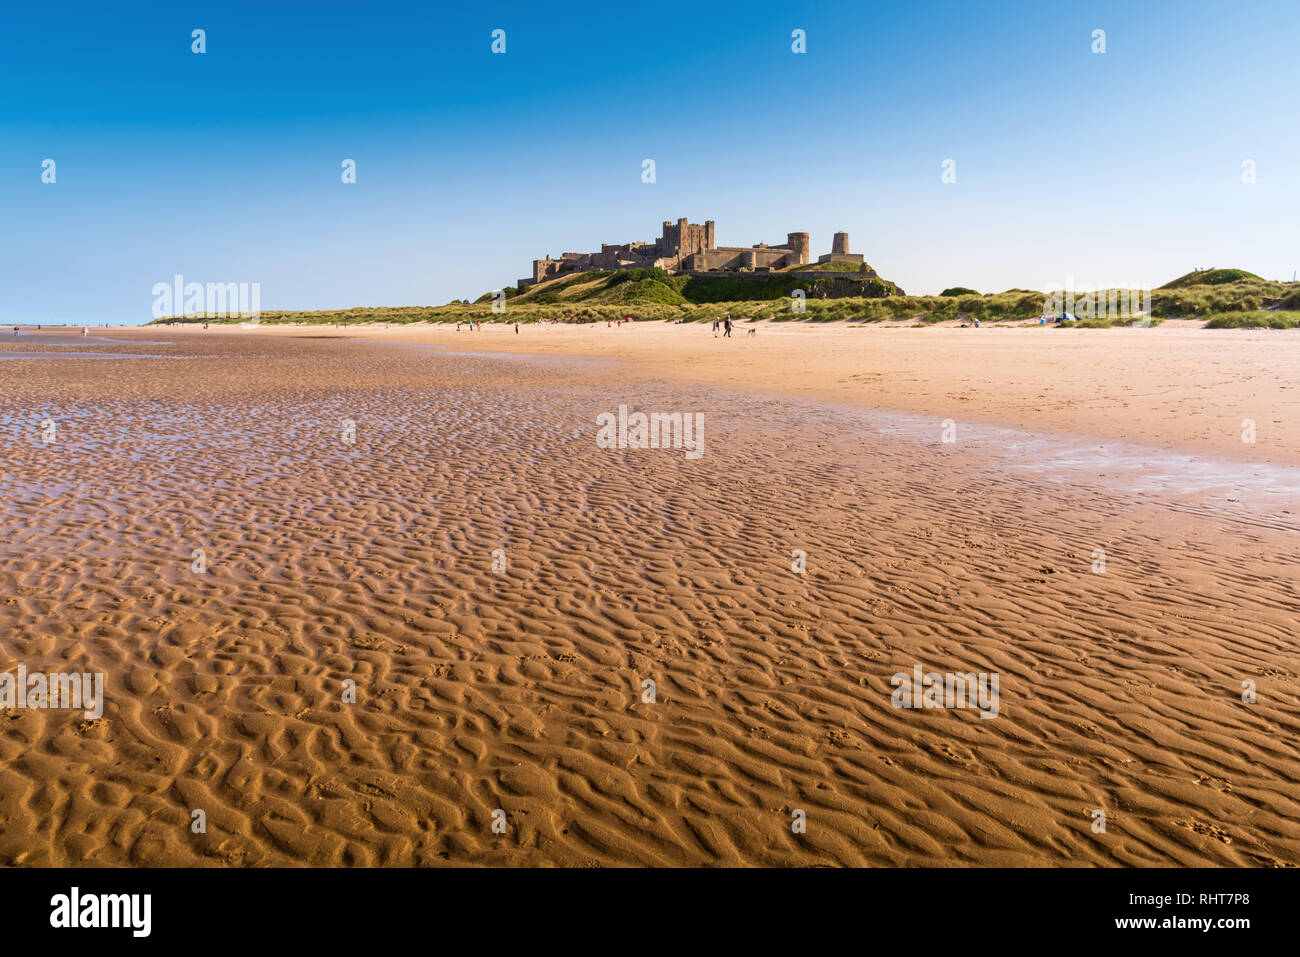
x,y
1173,386
372,562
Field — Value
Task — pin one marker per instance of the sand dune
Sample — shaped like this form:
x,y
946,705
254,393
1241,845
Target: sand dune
x,y
372,562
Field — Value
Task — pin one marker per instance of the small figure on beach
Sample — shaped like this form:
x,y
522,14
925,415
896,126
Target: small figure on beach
x,y
715,328
84,332
516,328
726,323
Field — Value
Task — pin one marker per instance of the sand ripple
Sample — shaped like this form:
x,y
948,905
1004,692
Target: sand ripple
x,y
477,691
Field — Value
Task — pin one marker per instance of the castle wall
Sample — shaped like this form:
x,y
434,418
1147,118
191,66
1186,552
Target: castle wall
x,y
544,269
738,257
691,246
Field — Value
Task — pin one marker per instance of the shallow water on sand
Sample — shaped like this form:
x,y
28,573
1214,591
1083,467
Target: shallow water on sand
x,y
1127,468
28,338
5,354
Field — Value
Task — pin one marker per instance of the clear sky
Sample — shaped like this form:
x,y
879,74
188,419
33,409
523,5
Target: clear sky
x,y
1121,168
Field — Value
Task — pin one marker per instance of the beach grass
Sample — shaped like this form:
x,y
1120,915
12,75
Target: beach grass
x,y
1257,319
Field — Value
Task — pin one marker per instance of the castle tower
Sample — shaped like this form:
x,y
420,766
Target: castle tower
x,y
708,234
840,244
799,245
670,244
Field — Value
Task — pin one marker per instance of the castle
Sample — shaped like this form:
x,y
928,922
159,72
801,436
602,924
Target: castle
x,y
689,247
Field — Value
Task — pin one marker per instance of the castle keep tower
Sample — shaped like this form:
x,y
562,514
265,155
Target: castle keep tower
x,y
840,244
685,238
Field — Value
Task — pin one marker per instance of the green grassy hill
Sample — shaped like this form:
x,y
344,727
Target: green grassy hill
x,y
1210,277
656,285
1213,292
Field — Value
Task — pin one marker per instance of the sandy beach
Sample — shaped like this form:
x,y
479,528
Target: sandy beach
x,y
430,601
1175,385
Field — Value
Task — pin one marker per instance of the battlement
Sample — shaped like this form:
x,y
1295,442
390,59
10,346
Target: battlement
x,y
684,246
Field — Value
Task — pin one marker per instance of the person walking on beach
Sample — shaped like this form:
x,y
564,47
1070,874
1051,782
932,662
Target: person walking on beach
x,y
516,328
726,322
84,332
715,328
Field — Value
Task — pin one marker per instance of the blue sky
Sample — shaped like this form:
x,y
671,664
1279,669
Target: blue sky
x,y
1115,168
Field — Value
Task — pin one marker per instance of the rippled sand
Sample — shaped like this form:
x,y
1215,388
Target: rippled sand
x,y
372,562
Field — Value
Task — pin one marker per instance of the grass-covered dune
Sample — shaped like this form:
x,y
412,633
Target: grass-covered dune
x,y
1259,319
1211,277
659,286
1211,292
1228,298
